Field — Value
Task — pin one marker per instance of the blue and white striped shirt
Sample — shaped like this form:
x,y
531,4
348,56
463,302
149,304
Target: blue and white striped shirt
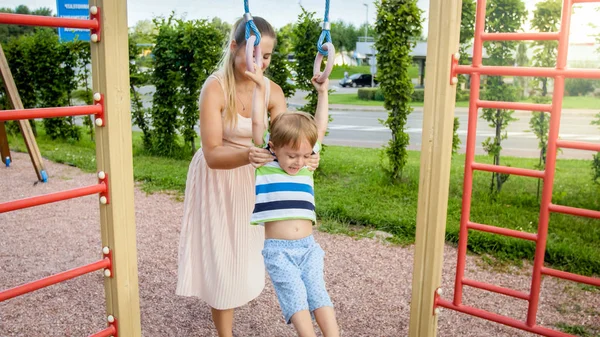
x,y
280,196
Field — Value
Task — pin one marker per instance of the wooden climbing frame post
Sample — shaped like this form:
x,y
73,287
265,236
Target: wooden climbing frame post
x,y
110,69
436,152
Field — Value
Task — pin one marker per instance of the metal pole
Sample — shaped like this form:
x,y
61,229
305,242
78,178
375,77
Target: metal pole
x,y
367,21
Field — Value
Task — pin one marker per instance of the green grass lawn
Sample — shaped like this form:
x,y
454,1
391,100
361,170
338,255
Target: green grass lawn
x,y
352,188
569,102
338,71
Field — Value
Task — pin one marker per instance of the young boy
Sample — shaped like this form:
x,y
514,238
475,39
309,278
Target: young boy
x,y
285,204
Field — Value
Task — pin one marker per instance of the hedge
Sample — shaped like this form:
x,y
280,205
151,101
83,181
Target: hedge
x,y
418,95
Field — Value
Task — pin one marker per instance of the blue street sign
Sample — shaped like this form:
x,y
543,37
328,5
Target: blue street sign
x,y
73,9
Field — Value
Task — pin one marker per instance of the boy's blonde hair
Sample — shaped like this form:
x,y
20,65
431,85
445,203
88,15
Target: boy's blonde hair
x,y
293,127
226,65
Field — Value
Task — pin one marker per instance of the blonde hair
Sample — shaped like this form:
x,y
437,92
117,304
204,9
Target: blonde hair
x,y
226,67
291,128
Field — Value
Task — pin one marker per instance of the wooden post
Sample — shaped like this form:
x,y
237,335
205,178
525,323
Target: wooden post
x,y
15,101
110,65
436,152
4,149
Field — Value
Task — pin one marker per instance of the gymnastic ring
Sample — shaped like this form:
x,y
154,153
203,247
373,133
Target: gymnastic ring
x,y
252,49
328,66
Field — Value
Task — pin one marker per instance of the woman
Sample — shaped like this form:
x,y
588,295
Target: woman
x,y
220,258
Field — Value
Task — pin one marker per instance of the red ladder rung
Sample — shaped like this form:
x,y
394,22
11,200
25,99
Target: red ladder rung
x,y
54,279
108,332
571,277
508,170
496,289
514,106
519,36
528,71
502,231
574,211
8,115
501,319
585,1
567,144
47,21
52,197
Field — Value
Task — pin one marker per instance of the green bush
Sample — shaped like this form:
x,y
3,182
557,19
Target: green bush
x,y
418,95
578,86
368,94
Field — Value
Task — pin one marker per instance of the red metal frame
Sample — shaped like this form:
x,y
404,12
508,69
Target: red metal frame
x,y
54,279
96,109
93,24
9,115
559,74
112,330
9,206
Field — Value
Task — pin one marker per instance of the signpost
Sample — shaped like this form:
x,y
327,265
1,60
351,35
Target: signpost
x,y
74,9
373,63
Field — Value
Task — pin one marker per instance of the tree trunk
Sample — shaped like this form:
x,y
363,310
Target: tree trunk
x,y
497,155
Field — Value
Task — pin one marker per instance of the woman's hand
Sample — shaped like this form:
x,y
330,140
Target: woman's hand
x,y
258,157
313,161
256,76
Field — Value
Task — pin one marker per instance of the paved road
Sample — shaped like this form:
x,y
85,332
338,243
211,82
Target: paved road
x,y
361,128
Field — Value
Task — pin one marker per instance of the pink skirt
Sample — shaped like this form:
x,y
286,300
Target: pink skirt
x,y
220,258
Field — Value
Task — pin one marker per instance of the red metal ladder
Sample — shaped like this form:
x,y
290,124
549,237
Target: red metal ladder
x,y
559,73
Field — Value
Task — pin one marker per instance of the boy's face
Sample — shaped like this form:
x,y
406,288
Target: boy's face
x,y
292,160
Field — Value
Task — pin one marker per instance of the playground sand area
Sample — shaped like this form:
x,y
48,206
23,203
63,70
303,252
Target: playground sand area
x,y
368,279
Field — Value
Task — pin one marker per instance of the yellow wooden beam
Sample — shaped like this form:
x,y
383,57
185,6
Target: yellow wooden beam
x,y
436,152
110,68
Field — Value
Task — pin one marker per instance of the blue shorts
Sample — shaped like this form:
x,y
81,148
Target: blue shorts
x,y
296,270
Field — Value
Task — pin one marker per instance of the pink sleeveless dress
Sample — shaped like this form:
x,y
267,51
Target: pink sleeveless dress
x,y
220,257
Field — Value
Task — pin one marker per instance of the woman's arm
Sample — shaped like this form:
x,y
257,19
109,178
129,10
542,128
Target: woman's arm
x,y
322,112
212,101
258,106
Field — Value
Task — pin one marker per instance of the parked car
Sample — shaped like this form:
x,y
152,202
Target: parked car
x,y
357,80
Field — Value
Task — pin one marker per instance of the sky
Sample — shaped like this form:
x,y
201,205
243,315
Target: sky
x,y
281,12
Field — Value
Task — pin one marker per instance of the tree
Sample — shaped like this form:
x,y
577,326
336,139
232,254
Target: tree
x,y
596,161
522,60
8,32
467,31
344,36
186,53
285,38
221,26
140,116
279,69
505,16
165,98
546,18
143,32
371,32
198,50
398,25
306,33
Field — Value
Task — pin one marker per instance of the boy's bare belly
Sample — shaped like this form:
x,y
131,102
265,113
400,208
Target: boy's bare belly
x,y
288,229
